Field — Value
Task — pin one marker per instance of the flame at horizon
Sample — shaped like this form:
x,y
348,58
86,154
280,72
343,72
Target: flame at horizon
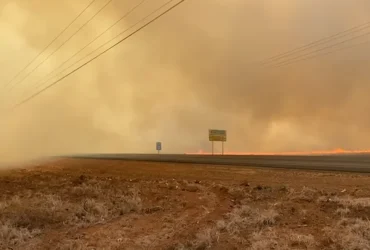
x,y
337,151
170,86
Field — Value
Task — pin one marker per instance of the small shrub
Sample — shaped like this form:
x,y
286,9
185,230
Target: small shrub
x,y
94,211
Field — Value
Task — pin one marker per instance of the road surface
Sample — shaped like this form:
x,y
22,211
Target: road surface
x,y
345,163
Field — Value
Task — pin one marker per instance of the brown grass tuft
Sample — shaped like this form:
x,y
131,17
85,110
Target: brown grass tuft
x,y
13,236
353,202
271,239
245,216
301,241
25,216
342,211
347,202
350,234
206,238
239,219
306,194
265,240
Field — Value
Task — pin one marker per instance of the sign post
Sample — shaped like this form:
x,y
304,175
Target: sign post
x,y
217,135
159,146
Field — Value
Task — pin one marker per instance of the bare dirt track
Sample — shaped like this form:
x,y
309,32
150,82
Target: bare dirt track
x,y
113,204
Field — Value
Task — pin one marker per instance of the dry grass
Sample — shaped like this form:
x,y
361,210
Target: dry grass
x,y
266,240
271,239
82,245
43,210
342,211
245,216
24,217
301,241
353,202
238,193
350,234
206,238
92,190
236,226
36,212
346,202
13,236
306,194
71,245
114,210
92,202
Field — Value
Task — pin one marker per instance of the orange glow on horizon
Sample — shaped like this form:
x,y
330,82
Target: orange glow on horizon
x,y
323,152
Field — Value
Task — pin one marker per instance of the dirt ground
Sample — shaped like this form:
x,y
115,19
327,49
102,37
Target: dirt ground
x,y
110,204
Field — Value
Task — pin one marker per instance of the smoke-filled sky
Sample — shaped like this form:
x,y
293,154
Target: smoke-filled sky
x,y
196,68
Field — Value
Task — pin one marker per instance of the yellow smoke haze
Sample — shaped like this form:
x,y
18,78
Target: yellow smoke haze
x,y
194,69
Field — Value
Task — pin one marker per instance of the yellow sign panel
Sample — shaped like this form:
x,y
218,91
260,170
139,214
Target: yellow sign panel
x,y
217,135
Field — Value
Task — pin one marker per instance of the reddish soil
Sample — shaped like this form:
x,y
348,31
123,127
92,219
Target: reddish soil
x,y
180,206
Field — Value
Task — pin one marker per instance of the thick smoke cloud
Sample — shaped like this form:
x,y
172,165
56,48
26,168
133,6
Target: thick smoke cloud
x,y
194,69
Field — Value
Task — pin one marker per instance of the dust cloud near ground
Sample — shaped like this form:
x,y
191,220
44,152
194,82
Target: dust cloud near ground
x,y
192,70
90,204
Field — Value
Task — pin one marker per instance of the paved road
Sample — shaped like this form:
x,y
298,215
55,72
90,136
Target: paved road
x,y
345,163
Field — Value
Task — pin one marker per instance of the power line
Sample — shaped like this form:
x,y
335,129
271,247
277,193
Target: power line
x,y
96,38
318,42
286,62
101,46
63,43
322,54
59,35
106,50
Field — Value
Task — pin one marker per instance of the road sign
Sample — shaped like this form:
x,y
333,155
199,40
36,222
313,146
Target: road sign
x,y
159,146
217,135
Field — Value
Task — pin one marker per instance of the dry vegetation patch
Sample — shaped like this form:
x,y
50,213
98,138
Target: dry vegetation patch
x,y
28,215
143,206
349,234
284,240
